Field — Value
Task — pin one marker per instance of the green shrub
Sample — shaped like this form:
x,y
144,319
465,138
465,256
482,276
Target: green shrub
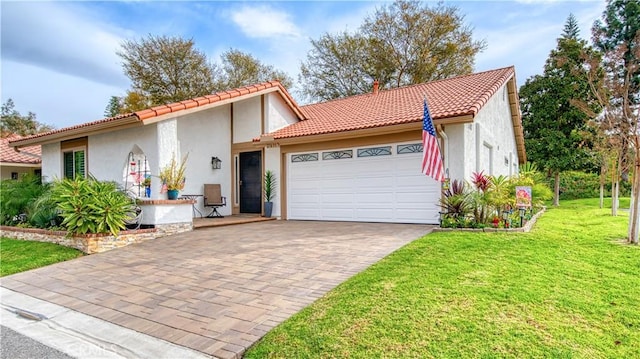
x,y
43,212
90,206
17,196
575,185
475,205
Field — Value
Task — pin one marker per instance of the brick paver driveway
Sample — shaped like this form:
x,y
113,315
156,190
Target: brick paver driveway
x,y
216,290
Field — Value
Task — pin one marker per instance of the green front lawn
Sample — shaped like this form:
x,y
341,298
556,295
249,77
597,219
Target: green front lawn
x,y
19,256
567,289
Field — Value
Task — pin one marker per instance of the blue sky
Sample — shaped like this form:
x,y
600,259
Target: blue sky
x,y
58,58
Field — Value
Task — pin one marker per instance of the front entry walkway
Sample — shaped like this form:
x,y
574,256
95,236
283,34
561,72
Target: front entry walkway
x,y
215,290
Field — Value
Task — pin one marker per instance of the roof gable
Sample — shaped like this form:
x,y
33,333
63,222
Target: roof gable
x,y
159,113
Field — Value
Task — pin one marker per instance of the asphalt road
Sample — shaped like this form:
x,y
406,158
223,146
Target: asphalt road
x,y
16,346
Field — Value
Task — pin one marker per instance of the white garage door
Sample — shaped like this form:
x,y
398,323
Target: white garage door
x,y
370,184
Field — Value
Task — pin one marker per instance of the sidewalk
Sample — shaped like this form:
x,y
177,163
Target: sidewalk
x,y
82,336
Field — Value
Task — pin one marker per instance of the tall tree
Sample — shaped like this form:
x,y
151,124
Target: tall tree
x,y
12,122
406,42
170,69
335,67
114,107
167,69
242,69
553,124
420,43
617,36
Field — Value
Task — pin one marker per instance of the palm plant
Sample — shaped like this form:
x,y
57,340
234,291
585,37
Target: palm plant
x,y
456,201
90,206
481,197
17,196
269,186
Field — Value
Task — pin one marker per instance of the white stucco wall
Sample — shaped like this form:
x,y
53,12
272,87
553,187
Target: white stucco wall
x,y
5,171
492,129
166,214
278,114
168,143
455,150
108,154
51,162
272,162
203,135
247,115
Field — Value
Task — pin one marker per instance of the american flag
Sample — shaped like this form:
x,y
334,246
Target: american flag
x,y
431,158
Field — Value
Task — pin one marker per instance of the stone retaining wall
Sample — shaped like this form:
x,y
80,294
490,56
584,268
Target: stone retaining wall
x,y
94,243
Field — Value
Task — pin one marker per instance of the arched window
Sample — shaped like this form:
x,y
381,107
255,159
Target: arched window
x,y
136,176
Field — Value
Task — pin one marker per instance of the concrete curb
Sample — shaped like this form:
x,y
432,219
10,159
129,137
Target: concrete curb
x,y
83,336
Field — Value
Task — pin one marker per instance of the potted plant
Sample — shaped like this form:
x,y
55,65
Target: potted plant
x,y
269,192
147,186
173,177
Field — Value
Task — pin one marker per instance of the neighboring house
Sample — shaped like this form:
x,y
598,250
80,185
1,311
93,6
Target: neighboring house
x,y
351,159
15,163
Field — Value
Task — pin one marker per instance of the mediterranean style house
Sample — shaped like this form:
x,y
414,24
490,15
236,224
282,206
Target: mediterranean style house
x,y
351,159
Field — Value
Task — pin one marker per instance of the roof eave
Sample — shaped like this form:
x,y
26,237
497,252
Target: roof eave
x,y
20,164
516,119
96,128
373,131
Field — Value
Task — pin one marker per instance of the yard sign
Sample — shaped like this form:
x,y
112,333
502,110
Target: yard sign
x,y
523,196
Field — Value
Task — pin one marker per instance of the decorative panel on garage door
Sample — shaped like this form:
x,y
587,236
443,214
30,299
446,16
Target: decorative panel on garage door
x,y
377,185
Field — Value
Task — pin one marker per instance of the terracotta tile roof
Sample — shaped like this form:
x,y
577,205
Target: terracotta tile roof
x,y
156,111
458,96
81,126
9,155
216,97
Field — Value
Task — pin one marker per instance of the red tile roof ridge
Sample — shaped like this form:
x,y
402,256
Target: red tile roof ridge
x,y
74,127
218,96
434,82
158,110
452,97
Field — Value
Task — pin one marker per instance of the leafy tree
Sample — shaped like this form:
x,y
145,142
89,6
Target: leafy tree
x,y
114,108
242,69
167,69
170,69
419,44
135,101
404,43
335,67
553,124
13,122
617,36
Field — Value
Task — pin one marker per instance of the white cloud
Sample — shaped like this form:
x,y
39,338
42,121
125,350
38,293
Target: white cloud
x,y
526,40
58,38
57,99
264,22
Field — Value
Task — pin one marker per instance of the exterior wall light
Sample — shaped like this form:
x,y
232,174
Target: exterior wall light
x,y
216,163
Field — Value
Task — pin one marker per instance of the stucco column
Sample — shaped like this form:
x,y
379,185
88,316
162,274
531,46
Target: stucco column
x,y
168,147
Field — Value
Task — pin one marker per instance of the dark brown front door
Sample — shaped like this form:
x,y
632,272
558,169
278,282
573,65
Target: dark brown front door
x,y
250,182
